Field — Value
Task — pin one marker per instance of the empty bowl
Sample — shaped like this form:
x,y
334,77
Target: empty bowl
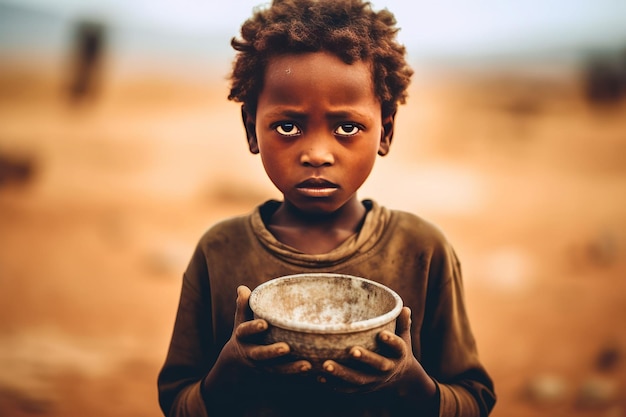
x,y
322,315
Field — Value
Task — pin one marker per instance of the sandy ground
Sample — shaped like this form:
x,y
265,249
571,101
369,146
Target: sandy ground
x,y
524,176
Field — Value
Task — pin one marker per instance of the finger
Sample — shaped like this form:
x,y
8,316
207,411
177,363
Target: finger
x,y
393,345
291,368
400,342
372,359
250,328
403,323
352,376
266,352
243,294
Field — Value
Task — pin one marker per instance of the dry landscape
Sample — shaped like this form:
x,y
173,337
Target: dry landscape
x,y
102,202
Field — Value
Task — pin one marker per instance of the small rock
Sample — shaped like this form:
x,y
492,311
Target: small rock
x,y
167,260
546,389
158,263
608,357
597,393
602,250
16,169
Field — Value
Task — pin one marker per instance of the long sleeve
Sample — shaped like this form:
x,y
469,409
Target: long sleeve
x,y
189,356
449,352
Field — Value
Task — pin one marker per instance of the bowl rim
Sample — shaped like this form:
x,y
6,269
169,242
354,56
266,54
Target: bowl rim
x,y
353,327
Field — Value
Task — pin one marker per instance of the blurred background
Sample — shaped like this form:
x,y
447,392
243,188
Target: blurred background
x,y
118,148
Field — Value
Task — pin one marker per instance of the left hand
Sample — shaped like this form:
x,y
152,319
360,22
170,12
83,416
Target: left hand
x,y
370,371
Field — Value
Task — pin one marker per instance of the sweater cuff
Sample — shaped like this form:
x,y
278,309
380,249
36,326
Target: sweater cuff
x,y
190,402
456,401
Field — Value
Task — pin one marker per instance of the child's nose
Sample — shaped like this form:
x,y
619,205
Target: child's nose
x,y
317,152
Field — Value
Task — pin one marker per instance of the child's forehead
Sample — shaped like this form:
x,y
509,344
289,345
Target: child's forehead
x,y
286,63
321,65
317,76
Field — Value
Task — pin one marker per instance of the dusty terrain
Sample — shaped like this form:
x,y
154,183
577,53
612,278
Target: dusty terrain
x,y
525,177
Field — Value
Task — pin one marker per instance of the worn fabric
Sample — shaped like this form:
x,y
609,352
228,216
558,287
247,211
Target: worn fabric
x,y
395,248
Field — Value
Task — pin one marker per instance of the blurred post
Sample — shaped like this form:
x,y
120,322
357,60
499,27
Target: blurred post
x,y
606,78
87,56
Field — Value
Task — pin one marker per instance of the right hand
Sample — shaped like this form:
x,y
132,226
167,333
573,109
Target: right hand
x,y
243,348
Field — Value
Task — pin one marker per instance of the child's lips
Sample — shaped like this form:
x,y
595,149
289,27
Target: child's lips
x,y
317,187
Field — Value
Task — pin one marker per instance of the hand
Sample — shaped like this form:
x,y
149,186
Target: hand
x,y
394,366
244,349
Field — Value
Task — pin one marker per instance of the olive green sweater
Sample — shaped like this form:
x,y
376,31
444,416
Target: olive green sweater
x,y
398,249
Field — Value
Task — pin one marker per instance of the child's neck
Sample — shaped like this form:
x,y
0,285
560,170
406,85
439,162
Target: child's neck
x,y
316,233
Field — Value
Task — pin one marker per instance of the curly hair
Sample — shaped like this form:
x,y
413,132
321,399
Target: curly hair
x,y
350,29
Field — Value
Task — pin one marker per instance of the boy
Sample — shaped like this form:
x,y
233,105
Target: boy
x,y
319,83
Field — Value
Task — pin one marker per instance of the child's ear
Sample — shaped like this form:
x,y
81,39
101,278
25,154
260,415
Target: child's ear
x,y
386,134
249,123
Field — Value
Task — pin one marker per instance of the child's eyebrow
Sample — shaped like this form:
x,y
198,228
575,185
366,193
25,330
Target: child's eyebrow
x,y
336,114
291,114
347,114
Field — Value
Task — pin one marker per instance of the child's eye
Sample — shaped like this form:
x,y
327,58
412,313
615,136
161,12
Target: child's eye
x,y
347,129
287,129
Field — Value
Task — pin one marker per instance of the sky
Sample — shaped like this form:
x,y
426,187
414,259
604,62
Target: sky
x,y
443,27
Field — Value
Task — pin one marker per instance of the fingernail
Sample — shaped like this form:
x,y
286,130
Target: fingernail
x,y
321,379
329,368
305,368
356,353
239,290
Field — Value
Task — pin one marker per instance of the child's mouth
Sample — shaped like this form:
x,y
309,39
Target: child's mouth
x,y
317,187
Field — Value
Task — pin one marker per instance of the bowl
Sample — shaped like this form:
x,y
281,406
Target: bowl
x,y
322,315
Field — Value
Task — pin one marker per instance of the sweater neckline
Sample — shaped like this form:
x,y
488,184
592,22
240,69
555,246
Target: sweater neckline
x,y
373,227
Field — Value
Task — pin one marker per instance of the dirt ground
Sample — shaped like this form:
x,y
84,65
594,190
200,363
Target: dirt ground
x,y
524,176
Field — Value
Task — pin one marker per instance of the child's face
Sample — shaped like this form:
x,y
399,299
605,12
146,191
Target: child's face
x,y
318,129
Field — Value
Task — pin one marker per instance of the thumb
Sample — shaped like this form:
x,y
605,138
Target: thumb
x,y
403,325
243,295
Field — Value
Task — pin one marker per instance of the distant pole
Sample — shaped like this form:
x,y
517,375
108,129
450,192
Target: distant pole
x,y
87,55
606,78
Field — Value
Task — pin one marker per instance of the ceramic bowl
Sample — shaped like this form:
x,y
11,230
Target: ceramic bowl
x,y
322,315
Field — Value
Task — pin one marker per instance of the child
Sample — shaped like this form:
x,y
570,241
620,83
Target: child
x,y
319,83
